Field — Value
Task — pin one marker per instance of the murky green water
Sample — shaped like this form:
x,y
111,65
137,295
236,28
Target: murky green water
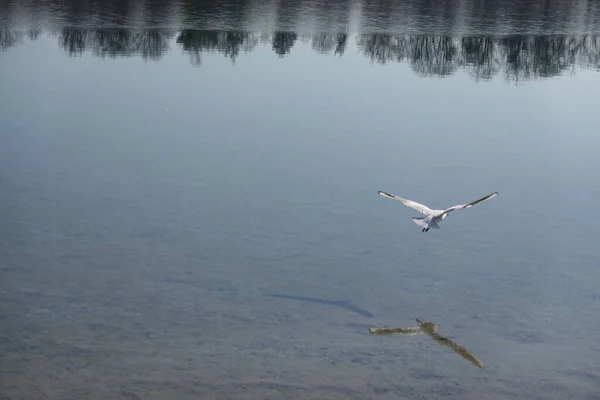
x,y
189,208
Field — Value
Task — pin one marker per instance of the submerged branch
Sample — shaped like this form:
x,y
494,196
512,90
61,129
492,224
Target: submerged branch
x,y
430,329
389,331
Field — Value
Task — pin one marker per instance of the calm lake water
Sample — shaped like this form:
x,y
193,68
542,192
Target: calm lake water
x,y
189,207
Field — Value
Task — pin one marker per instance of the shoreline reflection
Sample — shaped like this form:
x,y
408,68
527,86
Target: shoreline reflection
x,y
516,58
485,39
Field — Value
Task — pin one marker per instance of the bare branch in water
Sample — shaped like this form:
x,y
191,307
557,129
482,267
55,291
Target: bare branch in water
x,y
430,329
389,331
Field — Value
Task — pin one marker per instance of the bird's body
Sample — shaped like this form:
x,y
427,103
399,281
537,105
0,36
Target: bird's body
x,y
433,217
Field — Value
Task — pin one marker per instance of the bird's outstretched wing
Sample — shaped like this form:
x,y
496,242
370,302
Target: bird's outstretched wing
x,y
461,206
409,203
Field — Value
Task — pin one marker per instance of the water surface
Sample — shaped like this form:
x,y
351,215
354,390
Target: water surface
x,y
189,198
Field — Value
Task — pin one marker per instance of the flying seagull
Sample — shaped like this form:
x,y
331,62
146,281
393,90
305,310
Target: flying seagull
x,y
433,217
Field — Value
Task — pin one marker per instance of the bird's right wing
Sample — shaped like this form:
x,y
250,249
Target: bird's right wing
x,y
469,205
409,203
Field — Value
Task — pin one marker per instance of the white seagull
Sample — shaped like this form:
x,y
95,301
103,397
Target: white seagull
x,y
433,217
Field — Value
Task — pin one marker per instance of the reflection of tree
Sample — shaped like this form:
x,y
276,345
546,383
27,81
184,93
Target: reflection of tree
x,y
283,42
326,42
148,43
33,34
520,57
585,51
340,47
10,38
479,54
547,56
73,40
227,42
432,55
427,55
382,48
483,57
130,27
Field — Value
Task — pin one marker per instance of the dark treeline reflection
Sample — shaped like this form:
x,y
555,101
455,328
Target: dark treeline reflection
x,y
519,57
516,57
10,38
229,43
149,43
520,40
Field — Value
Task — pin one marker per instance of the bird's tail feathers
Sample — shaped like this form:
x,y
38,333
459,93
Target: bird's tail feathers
x,y
420,221
426,222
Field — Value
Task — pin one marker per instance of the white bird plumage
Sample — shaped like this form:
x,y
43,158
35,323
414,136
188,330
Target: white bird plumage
x,y
433,217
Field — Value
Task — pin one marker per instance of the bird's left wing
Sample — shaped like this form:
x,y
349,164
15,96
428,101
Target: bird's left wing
x,y
461,206
423,209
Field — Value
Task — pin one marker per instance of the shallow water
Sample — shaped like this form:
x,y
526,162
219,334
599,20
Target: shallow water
x,y
189,199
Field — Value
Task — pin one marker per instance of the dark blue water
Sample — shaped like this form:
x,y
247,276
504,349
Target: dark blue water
x,y
189,208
